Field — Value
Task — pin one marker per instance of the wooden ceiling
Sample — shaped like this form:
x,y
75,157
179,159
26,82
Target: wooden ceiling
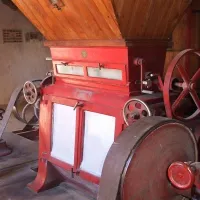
x,y
104,19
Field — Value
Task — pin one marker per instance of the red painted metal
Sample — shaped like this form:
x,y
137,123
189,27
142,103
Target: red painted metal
x,y
100,95
187,84
181,175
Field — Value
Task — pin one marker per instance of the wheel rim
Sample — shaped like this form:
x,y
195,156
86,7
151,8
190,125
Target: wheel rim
x,y
138,107
188,86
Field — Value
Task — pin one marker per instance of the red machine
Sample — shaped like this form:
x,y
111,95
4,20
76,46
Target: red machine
x,y
108,117
90,103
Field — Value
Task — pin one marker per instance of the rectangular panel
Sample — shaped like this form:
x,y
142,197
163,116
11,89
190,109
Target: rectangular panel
x,y
98,138
115,74
12,36
70,69
63,133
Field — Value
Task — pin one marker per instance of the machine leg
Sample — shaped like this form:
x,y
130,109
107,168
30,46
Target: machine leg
x,y
47,177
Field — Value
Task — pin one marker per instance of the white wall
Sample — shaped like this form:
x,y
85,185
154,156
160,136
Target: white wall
x,y
19,61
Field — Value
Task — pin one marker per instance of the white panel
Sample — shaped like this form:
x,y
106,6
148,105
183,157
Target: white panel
x,y
63,133
98,138
115,74
70,69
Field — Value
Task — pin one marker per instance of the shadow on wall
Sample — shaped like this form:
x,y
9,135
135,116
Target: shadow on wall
x,y
20,59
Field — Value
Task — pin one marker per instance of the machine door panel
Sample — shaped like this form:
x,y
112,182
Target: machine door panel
x,y
99,134
63,133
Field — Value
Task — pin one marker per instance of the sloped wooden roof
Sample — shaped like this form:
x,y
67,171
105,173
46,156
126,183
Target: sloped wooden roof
x,y
104,19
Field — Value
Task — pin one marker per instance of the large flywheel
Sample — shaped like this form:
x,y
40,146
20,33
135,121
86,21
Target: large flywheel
x,y
137,164
184,90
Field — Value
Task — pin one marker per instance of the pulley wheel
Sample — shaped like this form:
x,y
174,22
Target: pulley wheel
x,y
186,87
135,109
137,163
30,92
20,106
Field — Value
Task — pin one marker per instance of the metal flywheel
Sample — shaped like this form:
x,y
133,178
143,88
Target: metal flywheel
x,y
182,92
137,164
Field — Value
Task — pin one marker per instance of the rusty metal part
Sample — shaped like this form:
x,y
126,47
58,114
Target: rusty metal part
x,y
188,86
136,165
135,109
181,175
30,92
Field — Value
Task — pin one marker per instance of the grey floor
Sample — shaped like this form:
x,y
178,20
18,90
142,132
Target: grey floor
x,y
16,172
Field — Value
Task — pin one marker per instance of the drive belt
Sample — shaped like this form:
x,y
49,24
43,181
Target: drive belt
x,y
9,109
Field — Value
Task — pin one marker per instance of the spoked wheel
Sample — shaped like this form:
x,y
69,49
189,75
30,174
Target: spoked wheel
x,y
27,103
137,163
185,87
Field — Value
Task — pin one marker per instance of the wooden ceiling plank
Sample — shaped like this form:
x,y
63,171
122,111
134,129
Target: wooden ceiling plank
x,y
107,11
58,25
35,7
98,20
89,22
20,4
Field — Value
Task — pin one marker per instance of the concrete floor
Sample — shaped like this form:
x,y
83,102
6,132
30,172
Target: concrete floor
x,y
16,171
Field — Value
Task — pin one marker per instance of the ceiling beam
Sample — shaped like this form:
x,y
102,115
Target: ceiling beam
x,y
196,5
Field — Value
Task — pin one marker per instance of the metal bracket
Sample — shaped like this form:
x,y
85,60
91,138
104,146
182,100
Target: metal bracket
x,y
101,66
78,104
64,63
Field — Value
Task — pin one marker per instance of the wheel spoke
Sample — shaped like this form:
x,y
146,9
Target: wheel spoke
x,y
184,75
196,76
178,100
195,98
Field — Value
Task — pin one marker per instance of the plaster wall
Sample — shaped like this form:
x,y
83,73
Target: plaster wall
x,y
19,61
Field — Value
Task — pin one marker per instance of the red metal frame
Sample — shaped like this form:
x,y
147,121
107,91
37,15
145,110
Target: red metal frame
x,y
107,84
47,120
96,94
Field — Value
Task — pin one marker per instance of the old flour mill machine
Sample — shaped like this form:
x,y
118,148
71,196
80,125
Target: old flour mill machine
x,y
108,116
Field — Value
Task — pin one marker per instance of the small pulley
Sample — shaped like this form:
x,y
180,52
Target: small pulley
x,y
27,105
181,96
30,92
26,108
135,109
